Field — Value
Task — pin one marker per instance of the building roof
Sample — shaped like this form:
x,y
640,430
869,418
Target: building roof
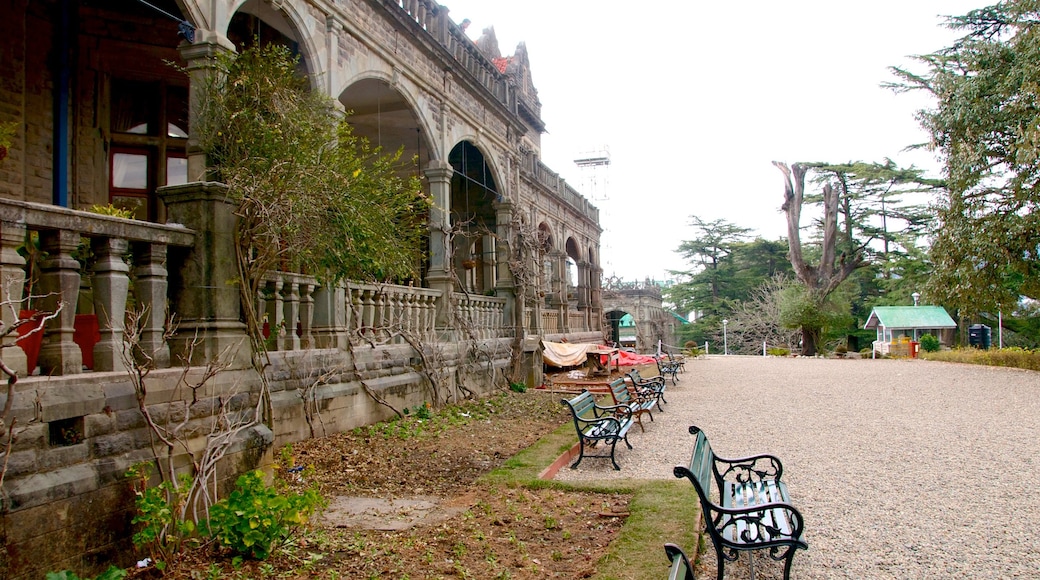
x,y
909,317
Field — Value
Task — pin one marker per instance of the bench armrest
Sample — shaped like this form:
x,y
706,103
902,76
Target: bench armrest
x,y
749,469
760,525
622,410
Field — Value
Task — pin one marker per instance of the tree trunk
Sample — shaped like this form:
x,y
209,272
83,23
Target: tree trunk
x,y
824,278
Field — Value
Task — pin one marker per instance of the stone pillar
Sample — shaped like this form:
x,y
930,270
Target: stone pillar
x,y
330,317
584,304
12,283
333,29
150,287
439,275
59,282
111,285
205,297
596,298
505,284
202,59
291,314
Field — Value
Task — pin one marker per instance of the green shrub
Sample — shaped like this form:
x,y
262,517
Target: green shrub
x,y
1005,357
777,351
518,387
112,573
929,343
256,517
164,531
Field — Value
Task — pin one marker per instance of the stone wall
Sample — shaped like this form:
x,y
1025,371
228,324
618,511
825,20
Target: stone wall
x,y
69,504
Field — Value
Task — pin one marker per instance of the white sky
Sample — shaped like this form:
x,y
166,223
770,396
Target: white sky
x,y
694,100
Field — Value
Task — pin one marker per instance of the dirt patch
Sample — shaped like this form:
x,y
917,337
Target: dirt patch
x,y
405,503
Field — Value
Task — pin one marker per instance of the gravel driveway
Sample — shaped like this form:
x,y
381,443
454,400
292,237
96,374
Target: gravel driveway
x,y
901,468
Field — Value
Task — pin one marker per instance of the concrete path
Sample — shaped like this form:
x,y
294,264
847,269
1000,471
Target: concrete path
x,y
901,468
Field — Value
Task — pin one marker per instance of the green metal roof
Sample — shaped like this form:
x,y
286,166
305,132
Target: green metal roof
x,y
909,317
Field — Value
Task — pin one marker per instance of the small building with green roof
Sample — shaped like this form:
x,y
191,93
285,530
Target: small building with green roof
x,y
894,322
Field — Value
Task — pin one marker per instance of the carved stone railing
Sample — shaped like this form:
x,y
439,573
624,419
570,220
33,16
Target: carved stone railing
x,y
103,244
382,312
576,321
286,306
434,20
539,173
482,316
551,322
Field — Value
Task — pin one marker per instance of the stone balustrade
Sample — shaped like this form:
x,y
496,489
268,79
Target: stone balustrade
x,y
66,247
576,321
382,312
481,316
551,322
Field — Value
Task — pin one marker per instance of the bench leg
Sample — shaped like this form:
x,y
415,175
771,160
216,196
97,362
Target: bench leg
x,y
787,564
581,452
612,447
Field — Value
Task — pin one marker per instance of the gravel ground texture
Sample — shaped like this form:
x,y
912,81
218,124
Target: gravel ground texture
x,y
901,468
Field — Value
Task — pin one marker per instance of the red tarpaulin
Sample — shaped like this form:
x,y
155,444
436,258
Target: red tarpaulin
x,y
628,359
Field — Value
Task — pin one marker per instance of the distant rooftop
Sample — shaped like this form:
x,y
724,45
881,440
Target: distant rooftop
x,y
891,317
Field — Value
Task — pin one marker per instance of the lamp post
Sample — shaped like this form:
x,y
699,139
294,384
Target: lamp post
x,y
916,296
725,339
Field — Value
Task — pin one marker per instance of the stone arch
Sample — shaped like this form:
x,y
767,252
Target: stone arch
x,y
473,217
388,117
574,265
283,23
621,327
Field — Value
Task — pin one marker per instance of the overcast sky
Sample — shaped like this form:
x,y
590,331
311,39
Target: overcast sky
x,y
694,100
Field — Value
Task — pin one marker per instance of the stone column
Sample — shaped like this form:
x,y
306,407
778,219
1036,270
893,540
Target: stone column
x,y
12,282
584,304
439,275
505,285
330,317
333,29
596,298
150,287
202,59
59,282
111,284
205,296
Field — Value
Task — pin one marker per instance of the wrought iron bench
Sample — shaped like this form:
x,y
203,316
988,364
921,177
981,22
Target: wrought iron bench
x,y
668,367
654,386
748,509
596,424
640,404
678,360
681,568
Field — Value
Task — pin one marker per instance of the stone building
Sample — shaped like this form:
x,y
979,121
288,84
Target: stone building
x,y
100,116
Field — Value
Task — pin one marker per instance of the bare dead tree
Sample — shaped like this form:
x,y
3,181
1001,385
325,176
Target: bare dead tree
x,y
173,434
36,323
822,279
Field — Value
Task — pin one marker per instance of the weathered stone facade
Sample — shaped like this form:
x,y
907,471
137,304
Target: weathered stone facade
x,y
102,118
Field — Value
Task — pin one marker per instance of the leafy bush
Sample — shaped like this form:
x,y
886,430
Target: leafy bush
x,y
929,343
256,517
518,387
1005,357
776,351
164,529
112,573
